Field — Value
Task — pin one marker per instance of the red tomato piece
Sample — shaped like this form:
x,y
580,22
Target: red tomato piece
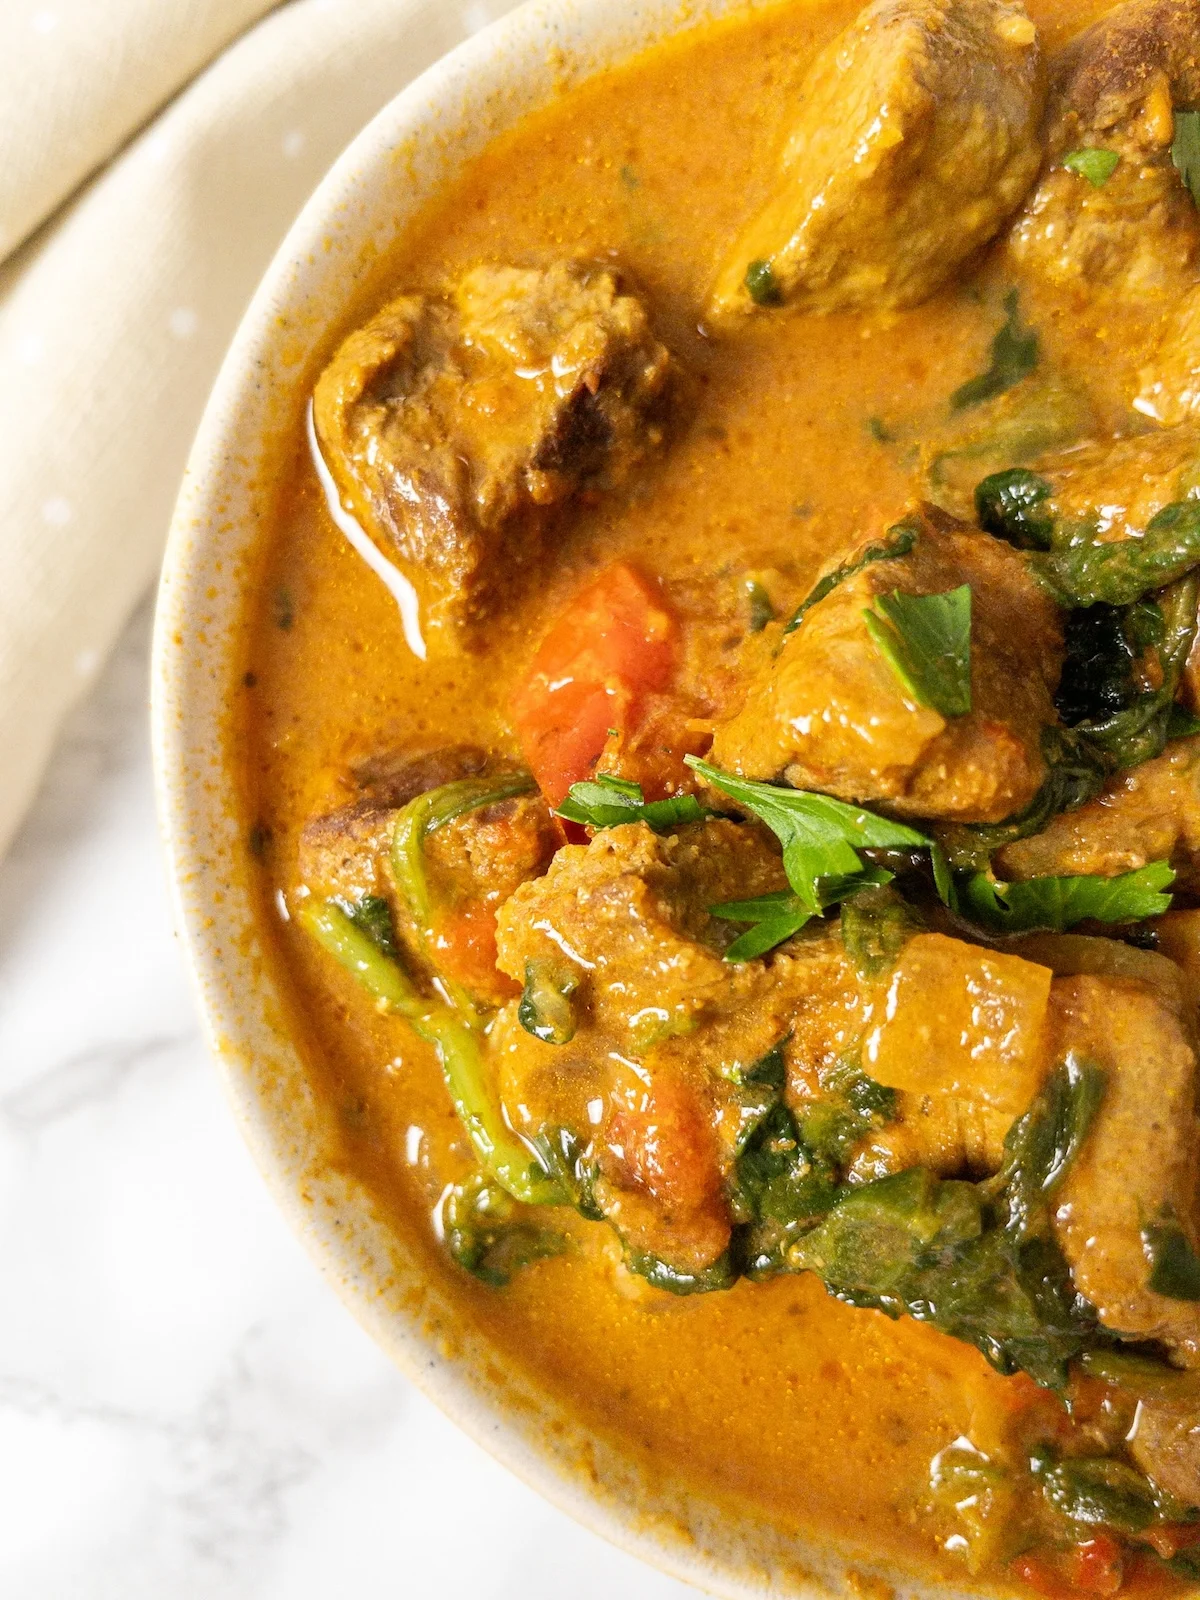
x,y
463,947
615,643
1041,1576
1097,1565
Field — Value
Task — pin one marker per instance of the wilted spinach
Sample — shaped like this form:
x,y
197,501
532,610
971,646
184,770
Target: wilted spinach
x,y
978,1261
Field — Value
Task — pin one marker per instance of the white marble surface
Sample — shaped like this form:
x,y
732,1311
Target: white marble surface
x,y
186,1411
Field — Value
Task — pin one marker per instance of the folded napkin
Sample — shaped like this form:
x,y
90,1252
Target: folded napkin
x,y
116,311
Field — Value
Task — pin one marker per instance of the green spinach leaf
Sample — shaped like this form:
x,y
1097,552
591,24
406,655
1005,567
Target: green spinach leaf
x,y
978,1261
876,925
1140,729
897,542
1099,1491
1174,1267
762,285
1014,356
722,1274
544,1009
486,1233
1082,568
373,916
1012,505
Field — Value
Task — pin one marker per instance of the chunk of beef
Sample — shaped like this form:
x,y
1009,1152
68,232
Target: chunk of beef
x,y
472,863
916,138
1169,382
394,777
951,1136
344,853
1148,813
1120,484
1138,1163
453,425
663,1026
1137,236
830,714
1165,1443
630,913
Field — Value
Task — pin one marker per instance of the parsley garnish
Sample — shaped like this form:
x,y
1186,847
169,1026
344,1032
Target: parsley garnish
x,y
821,838
1014,356
1059,903
1185,150
926,640
897,541
607,802
1094,164
775,917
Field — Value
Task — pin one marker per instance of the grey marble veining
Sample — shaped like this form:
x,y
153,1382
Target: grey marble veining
x,y
186,1412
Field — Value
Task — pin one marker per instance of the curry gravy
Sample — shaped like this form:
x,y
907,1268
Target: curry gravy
x,y
800,441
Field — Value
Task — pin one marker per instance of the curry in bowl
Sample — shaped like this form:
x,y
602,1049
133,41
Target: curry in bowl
x,y
722,727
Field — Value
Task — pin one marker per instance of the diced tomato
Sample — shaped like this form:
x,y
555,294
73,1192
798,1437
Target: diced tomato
x,y
615,643
1097,1566
1042,1576
463,947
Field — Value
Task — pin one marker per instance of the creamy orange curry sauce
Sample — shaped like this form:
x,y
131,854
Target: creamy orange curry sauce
x,y
743,899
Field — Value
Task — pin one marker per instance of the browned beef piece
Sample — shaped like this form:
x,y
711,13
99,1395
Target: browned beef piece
x,y
472,863
1120,484
454,424
624,923
1165,1443
1139,1162
1133,241
344,853
829,713
916,138
1138,234
1149,813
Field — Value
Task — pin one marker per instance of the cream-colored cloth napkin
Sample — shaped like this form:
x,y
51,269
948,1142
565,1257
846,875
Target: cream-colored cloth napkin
x,y
115,315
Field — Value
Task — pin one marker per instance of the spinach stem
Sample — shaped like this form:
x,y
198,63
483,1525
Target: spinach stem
x,y
502,1153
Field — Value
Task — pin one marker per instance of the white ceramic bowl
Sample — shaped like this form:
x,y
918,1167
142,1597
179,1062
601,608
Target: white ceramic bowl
x,y
399,160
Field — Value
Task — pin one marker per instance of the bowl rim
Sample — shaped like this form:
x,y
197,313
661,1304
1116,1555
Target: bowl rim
x,y
443,117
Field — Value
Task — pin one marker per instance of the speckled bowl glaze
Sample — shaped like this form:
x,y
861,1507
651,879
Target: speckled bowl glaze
x,y
398,161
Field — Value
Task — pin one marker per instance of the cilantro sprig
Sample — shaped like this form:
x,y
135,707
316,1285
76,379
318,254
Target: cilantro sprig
x,y
926,640
608,801
1054,904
